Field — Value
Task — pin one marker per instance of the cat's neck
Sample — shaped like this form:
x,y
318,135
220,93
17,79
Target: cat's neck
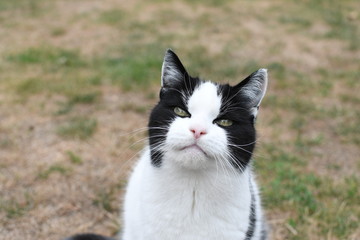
x,y
217,178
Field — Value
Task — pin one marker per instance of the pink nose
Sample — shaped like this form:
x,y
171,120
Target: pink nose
x,y
197,132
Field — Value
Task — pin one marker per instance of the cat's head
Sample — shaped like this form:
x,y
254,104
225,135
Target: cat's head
x,y
198,123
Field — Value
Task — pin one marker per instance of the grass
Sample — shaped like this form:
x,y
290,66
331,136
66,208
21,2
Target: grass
x,y
86,98
30,87
47,55
350,129
131,72
112,17
31,7
56,168
127,69
309,196
342,27
340,18
78,128
75,159
16,208
58,31
105,200
6,143
212,3
295,21
135,108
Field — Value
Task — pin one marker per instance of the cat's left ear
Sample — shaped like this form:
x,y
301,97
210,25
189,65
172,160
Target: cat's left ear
x,y
172,71
253,89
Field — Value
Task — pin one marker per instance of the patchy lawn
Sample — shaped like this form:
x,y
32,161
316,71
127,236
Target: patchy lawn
x,y
78,79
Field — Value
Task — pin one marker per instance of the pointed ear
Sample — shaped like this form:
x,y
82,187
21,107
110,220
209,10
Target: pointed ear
x,y
172,70
253,88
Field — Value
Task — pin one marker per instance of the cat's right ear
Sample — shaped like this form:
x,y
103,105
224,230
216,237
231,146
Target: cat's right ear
x,y
172,71
253,89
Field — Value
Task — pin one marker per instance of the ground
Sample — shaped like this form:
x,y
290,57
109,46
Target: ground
x,y
78,79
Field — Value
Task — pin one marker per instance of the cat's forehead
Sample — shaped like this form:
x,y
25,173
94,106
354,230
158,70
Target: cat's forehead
x,y
205,98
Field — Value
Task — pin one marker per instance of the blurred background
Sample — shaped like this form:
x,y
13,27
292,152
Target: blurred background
x,y
79,78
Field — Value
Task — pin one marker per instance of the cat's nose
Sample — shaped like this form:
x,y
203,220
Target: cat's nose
x,y
198,132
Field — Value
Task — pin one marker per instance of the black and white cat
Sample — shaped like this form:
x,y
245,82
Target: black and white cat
x,y
194,180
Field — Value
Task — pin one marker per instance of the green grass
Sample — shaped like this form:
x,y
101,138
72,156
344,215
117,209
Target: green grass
x,y
213,3
56,168
296,105
78,128
6,142
67,72
107,199
340,211
342,27
349,128
78,85
350,99
333,205
14,208
339,17
134,107
58,31
86,98
288,187
54,71
334,14
75,159
33,7
132,70
47,55
112,17
30,86
104,200
295,21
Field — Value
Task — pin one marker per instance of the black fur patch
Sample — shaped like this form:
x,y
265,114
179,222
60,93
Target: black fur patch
x,y
242,133
252,217
89,236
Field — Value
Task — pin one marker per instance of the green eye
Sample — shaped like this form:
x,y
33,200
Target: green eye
x,y
180,112
224,122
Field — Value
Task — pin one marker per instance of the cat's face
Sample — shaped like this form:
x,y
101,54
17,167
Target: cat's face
x,y
198,124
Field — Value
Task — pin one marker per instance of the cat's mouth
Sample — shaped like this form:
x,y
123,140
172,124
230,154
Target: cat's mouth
x,y
194,147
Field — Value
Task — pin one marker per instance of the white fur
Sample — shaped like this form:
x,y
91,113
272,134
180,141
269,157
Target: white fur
x,y
179,135
194,194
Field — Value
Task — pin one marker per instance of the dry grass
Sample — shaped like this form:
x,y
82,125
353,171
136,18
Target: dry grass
x,y
78,78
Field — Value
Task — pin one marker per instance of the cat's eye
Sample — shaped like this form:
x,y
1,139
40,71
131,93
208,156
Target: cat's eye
x,y
181,112
224,122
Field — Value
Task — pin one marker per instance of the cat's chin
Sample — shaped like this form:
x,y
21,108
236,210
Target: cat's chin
x,y
190,158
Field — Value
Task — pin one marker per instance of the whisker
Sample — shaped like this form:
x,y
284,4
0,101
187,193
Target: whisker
x,y
143,129
243,145
133,132
125,164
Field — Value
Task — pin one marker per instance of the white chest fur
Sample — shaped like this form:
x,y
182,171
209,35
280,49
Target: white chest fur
x,y
168,203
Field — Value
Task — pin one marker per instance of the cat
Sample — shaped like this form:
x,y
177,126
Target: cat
x,y
194,180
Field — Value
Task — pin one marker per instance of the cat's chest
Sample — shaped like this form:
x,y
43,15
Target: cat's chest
x,y
176,204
